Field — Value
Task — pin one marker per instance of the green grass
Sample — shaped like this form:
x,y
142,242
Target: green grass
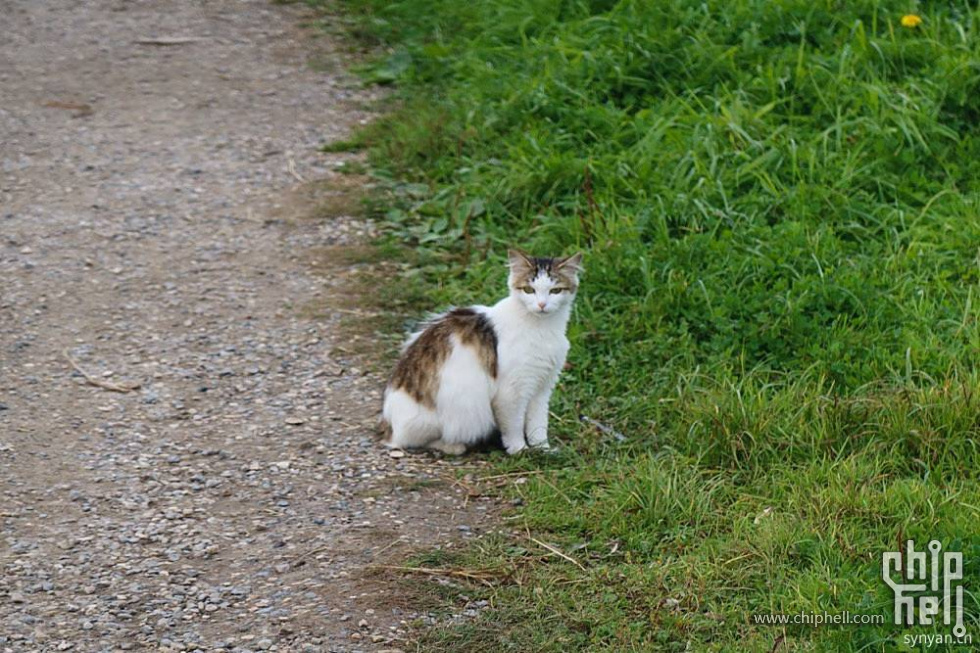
x,y
779,203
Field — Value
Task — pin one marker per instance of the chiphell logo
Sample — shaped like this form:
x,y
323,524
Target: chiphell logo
x,y
926,585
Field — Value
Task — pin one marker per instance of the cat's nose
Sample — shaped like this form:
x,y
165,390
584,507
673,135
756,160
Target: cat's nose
x,y
541,305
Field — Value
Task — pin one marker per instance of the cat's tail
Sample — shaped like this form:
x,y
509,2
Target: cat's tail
x,y
382,430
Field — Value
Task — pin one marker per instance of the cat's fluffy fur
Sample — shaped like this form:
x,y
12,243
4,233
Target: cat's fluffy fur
x,y
472,370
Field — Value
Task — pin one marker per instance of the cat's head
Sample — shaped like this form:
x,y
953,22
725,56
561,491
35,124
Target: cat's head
x,y
543,285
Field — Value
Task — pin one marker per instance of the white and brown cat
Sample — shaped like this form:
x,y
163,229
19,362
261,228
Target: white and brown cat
x,y
471,371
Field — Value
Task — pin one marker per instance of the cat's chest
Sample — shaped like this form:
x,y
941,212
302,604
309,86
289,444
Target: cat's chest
x,y
533,354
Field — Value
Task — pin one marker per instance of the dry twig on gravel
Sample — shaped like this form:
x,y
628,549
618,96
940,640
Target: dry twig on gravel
x,y
105,385
291,167
169,40
482,576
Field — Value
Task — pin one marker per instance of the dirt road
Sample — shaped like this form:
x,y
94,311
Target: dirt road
x,y
153,231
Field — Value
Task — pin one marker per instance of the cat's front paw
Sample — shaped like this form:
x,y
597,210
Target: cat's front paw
x,y
537,438
515,449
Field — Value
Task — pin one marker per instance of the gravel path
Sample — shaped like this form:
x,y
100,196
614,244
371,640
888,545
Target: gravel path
x,y
153,229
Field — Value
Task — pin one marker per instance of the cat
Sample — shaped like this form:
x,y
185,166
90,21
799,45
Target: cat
x,y
471,371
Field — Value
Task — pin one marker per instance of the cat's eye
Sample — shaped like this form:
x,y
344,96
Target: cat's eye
x,y
557,291
528,289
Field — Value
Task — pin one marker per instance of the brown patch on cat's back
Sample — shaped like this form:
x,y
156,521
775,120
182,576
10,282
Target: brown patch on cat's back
x,y
475,330
417,371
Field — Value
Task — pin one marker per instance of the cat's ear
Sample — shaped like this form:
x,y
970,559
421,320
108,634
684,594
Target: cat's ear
x,y
518,260
571,264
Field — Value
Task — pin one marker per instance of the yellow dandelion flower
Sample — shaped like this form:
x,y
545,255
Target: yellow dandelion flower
x,y
911,20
